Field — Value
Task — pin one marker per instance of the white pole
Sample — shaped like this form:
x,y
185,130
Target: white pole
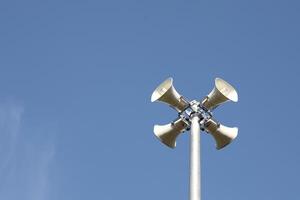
x,y
195,170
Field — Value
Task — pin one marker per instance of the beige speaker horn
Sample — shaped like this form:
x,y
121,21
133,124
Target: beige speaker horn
x,y
223,135
166,93
168,133
221,93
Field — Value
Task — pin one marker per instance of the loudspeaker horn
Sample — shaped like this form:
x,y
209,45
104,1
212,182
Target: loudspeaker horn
x,y
221,93
166,93
168,133
223,135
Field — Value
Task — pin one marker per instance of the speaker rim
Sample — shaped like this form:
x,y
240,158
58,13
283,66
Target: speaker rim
x,y
233,95
156,95
160,139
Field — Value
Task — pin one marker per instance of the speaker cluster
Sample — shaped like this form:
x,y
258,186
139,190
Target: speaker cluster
x,y
221,93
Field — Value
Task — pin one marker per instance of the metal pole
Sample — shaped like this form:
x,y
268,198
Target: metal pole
x,y
195,170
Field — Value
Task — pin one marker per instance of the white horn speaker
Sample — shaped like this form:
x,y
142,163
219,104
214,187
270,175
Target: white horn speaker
x,y
223,135
166,93
221,93
168,133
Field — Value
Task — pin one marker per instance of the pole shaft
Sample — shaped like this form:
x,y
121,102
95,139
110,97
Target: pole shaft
x,y
195,170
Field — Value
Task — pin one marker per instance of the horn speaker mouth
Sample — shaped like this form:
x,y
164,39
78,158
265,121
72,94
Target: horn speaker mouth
x,y
169,144
226,89
161,89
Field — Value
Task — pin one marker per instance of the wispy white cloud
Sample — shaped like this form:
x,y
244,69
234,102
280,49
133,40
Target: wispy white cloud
x,y
25,160
39,183
10,120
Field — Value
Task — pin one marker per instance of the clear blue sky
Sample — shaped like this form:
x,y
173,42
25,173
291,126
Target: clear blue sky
x,y
75,84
